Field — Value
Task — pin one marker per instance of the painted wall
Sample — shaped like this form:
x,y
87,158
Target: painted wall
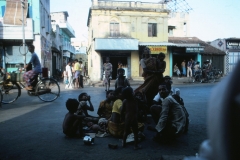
x,y
133,19
181,23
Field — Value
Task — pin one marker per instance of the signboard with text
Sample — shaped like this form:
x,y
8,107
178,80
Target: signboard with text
x,y
158,49
194,49
233,44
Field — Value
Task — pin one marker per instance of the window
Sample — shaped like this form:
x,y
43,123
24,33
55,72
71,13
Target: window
x,y
114,29
170,31
152,30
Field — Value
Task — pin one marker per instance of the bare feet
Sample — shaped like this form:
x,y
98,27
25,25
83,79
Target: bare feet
x,y
28,88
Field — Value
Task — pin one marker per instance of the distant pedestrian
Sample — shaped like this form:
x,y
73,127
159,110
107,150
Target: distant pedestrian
x,y
107,69
189,68
69,76
183,64
121,81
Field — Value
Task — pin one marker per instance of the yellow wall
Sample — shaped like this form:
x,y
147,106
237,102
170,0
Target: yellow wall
x,y
133,18
135,64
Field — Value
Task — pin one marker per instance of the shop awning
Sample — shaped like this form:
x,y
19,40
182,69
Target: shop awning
x,y
116,44
156,44
187,45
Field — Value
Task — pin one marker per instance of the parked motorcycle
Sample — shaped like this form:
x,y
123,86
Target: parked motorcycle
x,y
198,78
217,73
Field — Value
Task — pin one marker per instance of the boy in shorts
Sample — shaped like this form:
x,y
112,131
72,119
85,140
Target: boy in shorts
x,y
72,123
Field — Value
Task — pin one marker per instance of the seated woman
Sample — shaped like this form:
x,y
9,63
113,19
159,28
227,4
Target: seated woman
x,y
115,124
105,106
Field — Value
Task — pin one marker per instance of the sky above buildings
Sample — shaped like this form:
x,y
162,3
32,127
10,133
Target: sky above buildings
x,y
209,19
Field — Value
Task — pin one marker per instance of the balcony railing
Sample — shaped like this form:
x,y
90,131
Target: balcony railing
x,y
67,28
15,31
68,47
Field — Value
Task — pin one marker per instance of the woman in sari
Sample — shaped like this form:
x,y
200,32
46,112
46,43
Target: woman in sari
x,y
107,70
153,69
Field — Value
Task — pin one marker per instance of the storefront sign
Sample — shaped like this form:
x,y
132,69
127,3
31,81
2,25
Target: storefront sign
x,y
158,49
195,50
66,54
232,44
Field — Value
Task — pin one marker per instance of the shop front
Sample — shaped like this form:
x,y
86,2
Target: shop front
x,y
119,51
185,53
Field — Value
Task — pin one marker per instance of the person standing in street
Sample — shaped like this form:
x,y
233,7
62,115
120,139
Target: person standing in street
x,y
81,75
77,68
107,69
189,68
69,76
183,64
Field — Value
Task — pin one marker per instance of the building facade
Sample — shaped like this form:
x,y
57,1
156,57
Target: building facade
x,y
231,46
120,30
187,48
34,28
65,34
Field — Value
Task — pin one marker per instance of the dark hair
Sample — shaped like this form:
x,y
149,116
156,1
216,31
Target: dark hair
x,y
117,91
76,60
161,55
127,93
72,105
167,77
80,61
81,95
31,46
109,91
121,69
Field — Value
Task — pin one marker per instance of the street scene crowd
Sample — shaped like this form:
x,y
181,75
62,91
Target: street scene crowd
x,y
124,111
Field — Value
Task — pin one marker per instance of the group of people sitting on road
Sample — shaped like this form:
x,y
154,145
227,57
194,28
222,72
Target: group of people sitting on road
x,y
124,112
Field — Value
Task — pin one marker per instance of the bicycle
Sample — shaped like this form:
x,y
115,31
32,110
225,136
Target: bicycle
x,y
47,89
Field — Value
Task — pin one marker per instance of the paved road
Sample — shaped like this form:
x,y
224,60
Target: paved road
x,y
31,129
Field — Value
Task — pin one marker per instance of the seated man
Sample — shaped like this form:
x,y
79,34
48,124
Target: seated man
x,y
169,117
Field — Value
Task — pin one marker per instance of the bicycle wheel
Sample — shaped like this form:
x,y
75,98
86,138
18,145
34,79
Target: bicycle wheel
x,y
47,90
10,92
211,79
198,79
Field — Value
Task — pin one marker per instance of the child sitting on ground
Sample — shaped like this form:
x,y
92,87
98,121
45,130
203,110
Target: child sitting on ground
x,y
121,81
83,107
142,106
129,113
72,123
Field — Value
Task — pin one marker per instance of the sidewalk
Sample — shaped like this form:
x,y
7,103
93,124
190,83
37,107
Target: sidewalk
x,y
176,81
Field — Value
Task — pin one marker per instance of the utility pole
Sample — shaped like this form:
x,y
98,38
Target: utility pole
x,y
23,31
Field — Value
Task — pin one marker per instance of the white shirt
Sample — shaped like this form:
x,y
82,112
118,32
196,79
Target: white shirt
x,y
69,71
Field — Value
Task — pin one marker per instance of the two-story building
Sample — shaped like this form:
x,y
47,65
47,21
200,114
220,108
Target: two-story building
x,y
120,30
66,32
30,25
